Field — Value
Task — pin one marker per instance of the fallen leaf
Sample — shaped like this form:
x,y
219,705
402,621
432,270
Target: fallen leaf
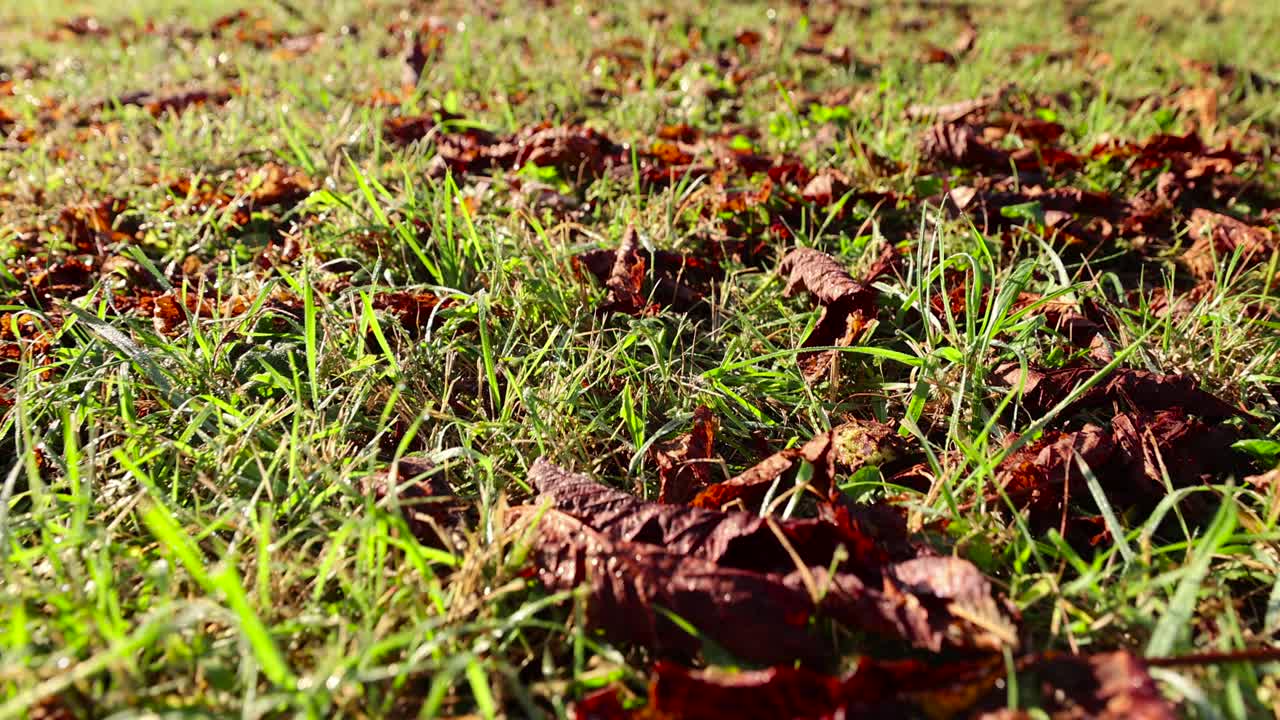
x,y
1043,476
749,487
960,144
1187,171
1216,237
1137,389
748,38
774,574
577,153
422,46
168,315
1070,320
848,306
273,184
430,507
1106,686
826,187
95,228
874,688
674,280
1169,444
416,311
180,102
949,113
758,617
66,278
682,470
1265,482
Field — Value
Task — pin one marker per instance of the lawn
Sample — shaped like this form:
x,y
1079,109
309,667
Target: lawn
x,y
377,358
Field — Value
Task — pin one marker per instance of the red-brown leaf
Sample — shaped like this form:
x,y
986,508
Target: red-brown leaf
x,y
747,488
645,553
960,144
674,280
1108,686
415,311
682,468
429,504
759,617
847,305
1126,387
1215,237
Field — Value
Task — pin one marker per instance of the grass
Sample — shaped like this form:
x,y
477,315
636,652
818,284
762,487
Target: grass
x,y
185,521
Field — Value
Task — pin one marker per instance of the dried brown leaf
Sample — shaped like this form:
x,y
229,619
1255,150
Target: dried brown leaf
x,y
648,553
1216,237
848,306
682,468
1124,387
961,144
430,507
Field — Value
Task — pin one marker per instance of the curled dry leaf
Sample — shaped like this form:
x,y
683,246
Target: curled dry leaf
x,y
1188,172
575,152
1080,215
848,306
1265,482
875,688
637,557
415,311
682,467
168,315
431,509
1170,444
255,188
626,278
853,445
826,187
1134,461
21,334
677,281
422,45
961,144
758,617
92,228
180,102
273,184
961,47
1216,237
158,105
1069,319
1042,389
956,111
1042,477
750,486
734,539
1107,686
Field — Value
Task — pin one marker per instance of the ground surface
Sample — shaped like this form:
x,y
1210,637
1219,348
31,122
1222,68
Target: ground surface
x,y
259,264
